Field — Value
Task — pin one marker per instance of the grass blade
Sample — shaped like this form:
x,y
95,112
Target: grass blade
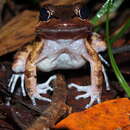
x,y
118,74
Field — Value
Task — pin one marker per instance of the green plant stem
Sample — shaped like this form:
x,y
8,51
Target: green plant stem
x,y
118,74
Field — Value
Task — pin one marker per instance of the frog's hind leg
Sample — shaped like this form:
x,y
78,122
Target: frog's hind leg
x,y
18,68
94,90
33,89
99,45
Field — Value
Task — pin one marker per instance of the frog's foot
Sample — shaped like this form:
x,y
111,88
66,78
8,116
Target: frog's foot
x,y
42,89
13,80
91,92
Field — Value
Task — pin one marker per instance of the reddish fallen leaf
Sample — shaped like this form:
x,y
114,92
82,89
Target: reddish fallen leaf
x,y
109,115
119,43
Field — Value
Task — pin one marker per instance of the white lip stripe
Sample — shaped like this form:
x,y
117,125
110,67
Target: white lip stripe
x,y
57,30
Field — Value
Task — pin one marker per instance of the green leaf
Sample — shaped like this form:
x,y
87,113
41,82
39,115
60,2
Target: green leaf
x,y
115,4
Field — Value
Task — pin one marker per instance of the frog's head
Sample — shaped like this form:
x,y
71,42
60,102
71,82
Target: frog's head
x,y
63,22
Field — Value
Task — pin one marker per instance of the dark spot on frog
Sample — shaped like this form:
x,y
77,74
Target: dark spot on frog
x,y
99,74
29,90
89,37
28,73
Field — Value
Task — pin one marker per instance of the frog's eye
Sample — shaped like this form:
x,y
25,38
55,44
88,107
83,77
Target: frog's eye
x,y
44,14
83,12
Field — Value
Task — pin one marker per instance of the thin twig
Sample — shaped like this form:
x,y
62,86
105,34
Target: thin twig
x,y
16,119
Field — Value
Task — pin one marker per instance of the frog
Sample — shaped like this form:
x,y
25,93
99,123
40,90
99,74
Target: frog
x,y
64,40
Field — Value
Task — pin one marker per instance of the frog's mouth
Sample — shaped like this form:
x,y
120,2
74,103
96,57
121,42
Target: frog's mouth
x,y
58,29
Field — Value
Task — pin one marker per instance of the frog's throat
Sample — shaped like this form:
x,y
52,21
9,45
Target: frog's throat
x,y
57,54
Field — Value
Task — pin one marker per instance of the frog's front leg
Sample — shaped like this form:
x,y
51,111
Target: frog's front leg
x,y
94,90
18,68
24,68
33,89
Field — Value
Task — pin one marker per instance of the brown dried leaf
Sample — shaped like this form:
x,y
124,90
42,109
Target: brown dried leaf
x,y
19,31
62,2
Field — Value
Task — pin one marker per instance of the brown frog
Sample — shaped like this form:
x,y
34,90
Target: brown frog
x,y
64,40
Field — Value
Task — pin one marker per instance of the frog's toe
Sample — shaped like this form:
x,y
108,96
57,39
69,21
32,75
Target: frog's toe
x,y
44,90
78,87
82,96
13,80
39,97
44,87
93,99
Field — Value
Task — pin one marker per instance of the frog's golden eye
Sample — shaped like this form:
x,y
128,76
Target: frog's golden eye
x,y
82,12
45,14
